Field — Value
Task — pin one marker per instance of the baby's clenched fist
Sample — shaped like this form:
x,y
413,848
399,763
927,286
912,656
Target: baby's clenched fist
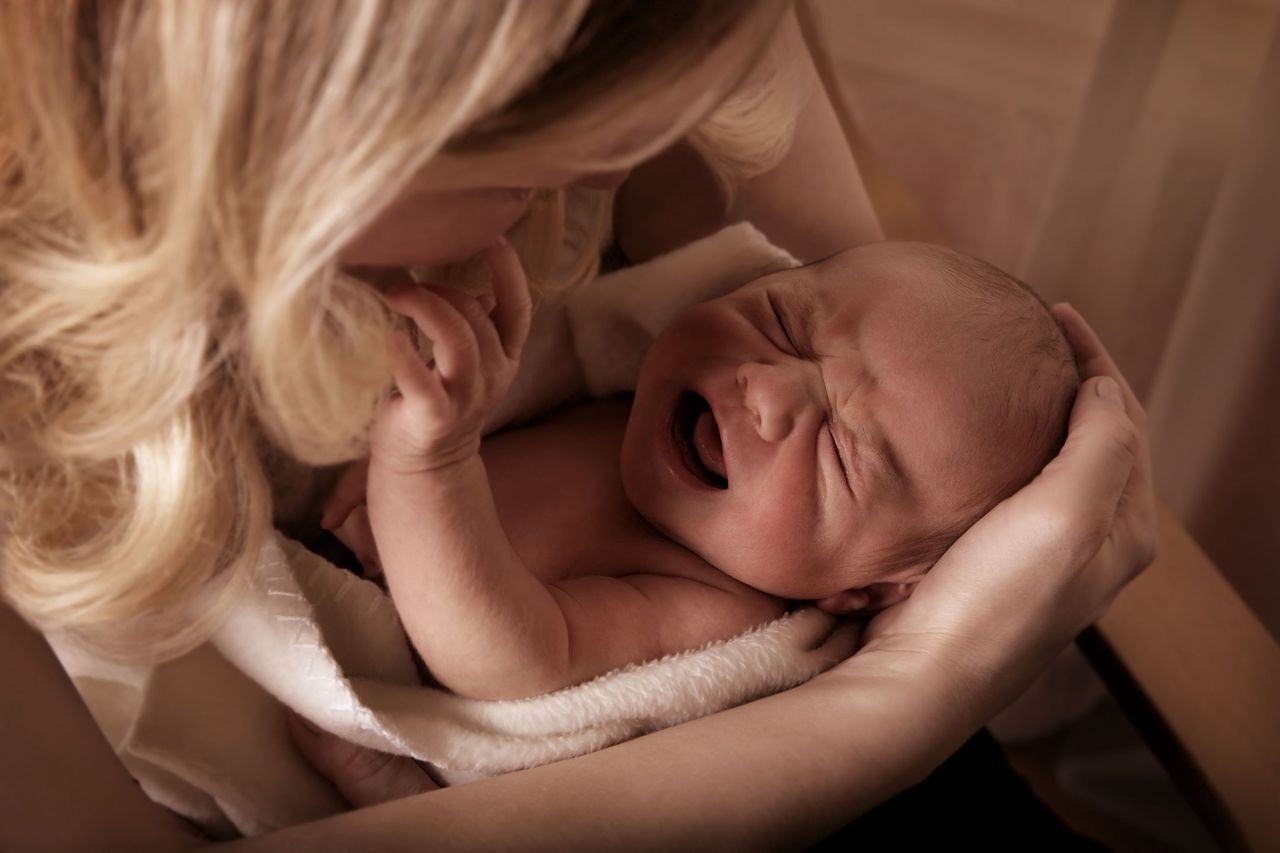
x,y
435,418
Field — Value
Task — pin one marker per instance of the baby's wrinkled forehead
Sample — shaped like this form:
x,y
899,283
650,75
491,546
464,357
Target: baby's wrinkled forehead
x,y
817,292
911,279
980,344
804,294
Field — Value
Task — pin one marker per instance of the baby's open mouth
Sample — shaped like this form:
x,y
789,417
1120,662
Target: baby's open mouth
x,y
698,436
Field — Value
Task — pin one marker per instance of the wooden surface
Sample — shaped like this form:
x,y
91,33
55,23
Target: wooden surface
x,y
1200,676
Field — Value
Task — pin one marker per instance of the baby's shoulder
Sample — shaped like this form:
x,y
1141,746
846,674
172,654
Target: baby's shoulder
x,y
696,608
580,432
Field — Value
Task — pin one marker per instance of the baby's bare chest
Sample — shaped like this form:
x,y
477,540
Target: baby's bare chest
x,y
558,491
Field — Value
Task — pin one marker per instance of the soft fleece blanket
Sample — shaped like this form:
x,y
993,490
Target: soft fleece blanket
x,y
204,734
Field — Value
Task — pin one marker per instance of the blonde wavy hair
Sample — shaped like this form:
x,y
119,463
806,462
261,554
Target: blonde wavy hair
x,y
176,180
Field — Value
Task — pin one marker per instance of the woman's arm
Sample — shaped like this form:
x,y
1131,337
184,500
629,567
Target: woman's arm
x,y
61,786
716,780
779,772
776,774
789,769
813,203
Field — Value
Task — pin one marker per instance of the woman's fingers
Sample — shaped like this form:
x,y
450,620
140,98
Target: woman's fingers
x,y
1044,563
513,305
1135,532
1077,493
1034,550
1084,483
1093,356
363,776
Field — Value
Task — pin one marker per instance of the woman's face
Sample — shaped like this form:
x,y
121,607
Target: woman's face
x,y
458,204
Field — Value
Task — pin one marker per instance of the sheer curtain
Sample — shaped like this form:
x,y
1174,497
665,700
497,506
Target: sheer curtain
x,y
1123,155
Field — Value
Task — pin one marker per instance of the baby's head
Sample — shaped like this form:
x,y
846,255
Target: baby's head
x,y
827,432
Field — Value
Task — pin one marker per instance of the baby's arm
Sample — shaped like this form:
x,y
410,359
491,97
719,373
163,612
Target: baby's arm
x,y
471,609
485,625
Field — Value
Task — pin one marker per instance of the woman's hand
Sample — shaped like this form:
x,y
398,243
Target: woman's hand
x,y
1044,564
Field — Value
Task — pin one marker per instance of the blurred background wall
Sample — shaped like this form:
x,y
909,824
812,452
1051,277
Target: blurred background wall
x,y
1122,155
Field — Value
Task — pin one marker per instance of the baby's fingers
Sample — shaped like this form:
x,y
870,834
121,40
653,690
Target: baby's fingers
x,y
348,493
476,313
513,305
356,533
841,643
414,380
453,340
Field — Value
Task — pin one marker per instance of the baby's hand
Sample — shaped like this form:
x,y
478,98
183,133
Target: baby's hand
x,y
435,419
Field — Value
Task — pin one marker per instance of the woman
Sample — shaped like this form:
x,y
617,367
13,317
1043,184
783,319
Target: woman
x,y
196,199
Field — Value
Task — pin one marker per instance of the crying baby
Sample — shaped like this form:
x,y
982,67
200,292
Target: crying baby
x,y
820,435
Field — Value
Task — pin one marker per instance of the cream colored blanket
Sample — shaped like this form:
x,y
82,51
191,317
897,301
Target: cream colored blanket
x,y
205,736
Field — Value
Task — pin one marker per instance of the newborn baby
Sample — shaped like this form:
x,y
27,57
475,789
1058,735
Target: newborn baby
x,y
822,434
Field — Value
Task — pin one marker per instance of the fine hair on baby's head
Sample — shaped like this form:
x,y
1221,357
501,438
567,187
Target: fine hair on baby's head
x,y
825,432
1035,378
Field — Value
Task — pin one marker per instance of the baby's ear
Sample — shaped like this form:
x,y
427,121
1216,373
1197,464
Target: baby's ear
x,y
874,596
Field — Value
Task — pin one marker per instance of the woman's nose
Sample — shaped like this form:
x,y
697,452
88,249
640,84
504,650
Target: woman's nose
x,y
775,395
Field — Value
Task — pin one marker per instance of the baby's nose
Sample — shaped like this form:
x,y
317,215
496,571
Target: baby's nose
x,y
775,396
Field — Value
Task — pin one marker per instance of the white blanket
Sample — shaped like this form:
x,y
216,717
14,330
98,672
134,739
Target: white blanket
x,y
204,733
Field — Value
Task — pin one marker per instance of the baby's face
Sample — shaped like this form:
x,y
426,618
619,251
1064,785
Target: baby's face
x,y
796,429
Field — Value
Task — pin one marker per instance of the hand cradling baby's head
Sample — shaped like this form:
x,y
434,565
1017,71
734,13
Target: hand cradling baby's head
x,y
826,432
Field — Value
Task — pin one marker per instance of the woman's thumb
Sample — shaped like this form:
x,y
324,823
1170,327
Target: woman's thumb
x,y
1106,388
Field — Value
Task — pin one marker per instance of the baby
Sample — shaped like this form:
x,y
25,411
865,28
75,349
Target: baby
x,y
822,434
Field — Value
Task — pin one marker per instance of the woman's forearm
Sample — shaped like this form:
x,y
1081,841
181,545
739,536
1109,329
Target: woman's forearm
x,y
61,786
790,768
777,773
774,773
784,768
